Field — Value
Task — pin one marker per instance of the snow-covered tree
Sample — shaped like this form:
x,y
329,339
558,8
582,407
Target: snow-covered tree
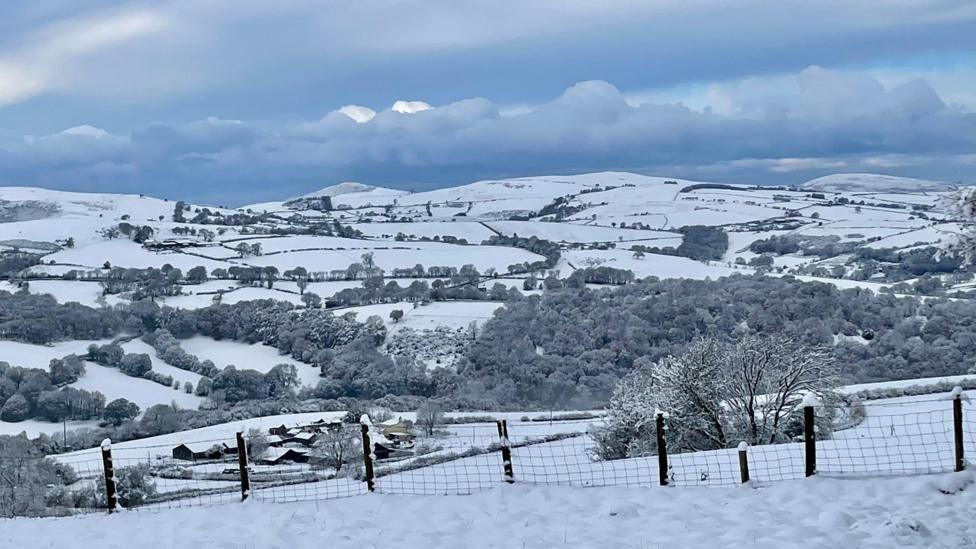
x,y
716,393
134,484
429,416
963,205
257,444
768,378
339,448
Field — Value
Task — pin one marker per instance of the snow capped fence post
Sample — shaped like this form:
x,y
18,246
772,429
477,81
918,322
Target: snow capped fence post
x,y
809,434
662,451
110,498
368,456
506,451
744,461
957,427
242,464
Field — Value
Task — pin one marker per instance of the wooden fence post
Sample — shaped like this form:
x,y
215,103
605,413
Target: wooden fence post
x,y
957,427
506,451
368,457
744,461
242,464
809,441
110,497
662,451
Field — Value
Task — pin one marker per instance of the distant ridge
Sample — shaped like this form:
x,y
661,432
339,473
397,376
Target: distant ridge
x,y
352,187
870,182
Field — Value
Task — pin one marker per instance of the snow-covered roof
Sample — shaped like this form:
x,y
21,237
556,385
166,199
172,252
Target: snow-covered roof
x,y
274,454
304,436
201,447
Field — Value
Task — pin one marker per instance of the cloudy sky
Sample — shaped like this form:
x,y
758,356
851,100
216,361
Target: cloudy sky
x,y
236,101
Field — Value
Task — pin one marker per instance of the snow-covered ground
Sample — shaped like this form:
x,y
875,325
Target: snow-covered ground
x,y
819,512
903,383
258,356
577,232
39,356
661,266
399,256
114,384
35,427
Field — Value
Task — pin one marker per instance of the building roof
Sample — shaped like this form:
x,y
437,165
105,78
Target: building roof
x,y
324,421
304,436
275,454
202,447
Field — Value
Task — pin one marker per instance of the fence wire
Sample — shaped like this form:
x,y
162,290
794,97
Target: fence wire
x,y
889,438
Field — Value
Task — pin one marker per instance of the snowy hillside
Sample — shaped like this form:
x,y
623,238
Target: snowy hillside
x,y
869,182
432,266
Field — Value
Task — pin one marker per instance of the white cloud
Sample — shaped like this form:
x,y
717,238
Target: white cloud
x,y
358,113
409,107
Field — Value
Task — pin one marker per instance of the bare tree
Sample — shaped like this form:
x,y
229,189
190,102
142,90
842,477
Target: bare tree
x,y
429,416
338,447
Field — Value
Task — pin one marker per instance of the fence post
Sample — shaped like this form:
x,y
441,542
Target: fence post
x,y
809,441
957,427
744,461
662,451
506,451
367,454
242,464
109,469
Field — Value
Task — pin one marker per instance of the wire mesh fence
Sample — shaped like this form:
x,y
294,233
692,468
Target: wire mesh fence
x,y
885,438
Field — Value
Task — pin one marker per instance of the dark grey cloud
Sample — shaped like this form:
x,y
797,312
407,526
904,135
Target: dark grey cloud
x,y
257,60
775,129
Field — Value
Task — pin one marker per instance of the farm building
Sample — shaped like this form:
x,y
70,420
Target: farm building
x,y
201,450
280,430
321,424
277,456
314,427
382,451
274,440
398,431
304,438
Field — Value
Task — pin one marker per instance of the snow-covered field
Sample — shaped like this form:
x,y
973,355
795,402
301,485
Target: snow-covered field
x,y
661,266
898,512
109,381
425,253
114,384
903,383
599,204
38,356
575,232
246,356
